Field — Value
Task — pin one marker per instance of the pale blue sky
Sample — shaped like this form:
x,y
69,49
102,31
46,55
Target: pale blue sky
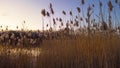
x,y
14,12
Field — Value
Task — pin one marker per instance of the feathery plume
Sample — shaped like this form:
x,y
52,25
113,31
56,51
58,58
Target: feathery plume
x,y
116,1
60,19
93,5
57,18
43,12
76,17
100,3
71,21
61,23
81,19
24,22
76,23
88,11
52,11
67,24
47,25
78,9
50,5
48,14
16,27
110,6
64,12
51,8
54,22
83,2
71,13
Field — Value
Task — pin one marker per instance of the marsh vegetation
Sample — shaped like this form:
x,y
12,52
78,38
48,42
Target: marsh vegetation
x,y
95,45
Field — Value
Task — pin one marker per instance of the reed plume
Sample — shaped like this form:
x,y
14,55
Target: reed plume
x,y
64,12
43,12
71,13
100,3
110,6
54,22
78,9
83,2
60,19
71,21
116,1
48,14
51,8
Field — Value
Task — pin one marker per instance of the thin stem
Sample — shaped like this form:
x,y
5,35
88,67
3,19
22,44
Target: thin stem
x,y
43,24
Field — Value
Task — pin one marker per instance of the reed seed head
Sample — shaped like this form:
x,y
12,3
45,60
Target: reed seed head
x,y
48,14
110,6
43,12
83,2
78,9
64,12
71,13
100,3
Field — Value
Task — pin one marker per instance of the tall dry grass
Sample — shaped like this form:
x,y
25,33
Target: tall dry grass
x,y
102,52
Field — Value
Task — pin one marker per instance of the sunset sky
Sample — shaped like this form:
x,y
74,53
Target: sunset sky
x,y
14,12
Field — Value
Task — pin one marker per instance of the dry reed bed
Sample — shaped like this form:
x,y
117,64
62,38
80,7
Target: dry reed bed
x,y
98,51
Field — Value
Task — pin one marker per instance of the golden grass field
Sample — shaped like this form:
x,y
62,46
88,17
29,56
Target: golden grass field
x,y
98,51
